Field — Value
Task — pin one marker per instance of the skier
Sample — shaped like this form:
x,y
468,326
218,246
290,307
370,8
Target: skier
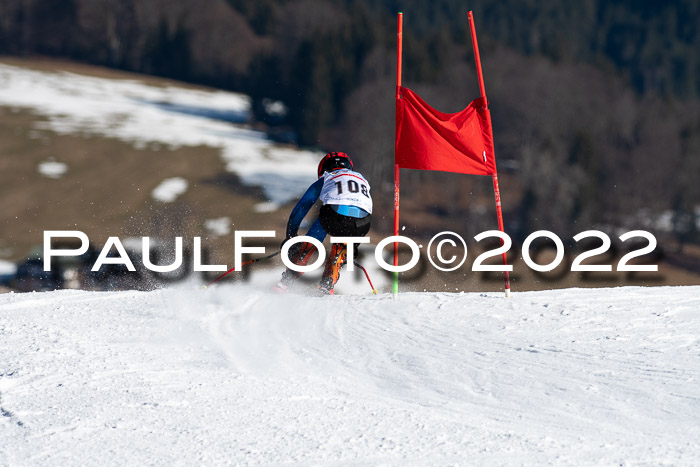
x,y
346,212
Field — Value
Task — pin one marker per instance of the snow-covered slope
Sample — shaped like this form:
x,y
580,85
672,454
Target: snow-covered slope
x,y
239,375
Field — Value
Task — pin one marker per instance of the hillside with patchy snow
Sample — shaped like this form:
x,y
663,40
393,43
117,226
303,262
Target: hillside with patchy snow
x,y
240,375
173,116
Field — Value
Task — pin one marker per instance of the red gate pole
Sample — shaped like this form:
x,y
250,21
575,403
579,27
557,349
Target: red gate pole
x,y
494,176
395,282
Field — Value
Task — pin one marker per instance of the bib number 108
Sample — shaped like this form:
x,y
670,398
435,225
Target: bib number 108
x,y
352,186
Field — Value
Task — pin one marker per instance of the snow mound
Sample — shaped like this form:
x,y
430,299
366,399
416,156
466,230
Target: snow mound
x,y
219,227
169,189
52,169
240,375
7,267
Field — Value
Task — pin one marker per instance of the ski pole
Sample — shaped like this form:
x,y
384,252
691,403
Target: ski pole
x,y
374,291
250,261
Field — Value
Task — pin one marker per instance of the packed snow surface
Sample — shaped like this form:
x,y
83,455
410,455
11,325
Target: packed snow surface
x,y
241,375
154,116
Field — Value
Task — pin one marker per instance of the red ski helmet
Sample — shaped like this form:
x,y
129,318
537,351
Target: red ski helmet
x,y
332,161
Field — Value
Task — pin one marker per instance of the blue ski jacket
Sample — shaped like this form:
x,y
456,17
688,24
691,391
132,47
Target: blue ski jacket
x,y
302,209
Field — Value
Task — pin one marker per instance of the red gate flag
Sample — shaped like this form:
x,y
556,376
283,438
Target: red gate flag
x,y
427,139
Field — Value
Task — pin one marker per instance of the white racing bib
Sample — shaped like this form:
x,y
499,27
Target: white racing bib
x,y
347,188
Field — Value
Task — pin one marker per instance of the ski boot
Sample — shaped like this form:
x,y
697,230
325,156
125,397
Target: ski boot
x,y
331,273
299,254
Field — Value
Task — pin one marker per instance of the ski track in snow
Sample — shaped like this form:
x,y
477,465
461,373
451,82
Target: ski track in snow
x,y
240,375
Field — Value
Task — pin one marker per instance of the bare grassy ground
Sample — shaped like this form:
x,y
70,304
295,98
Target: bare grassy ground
x,y
107,192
